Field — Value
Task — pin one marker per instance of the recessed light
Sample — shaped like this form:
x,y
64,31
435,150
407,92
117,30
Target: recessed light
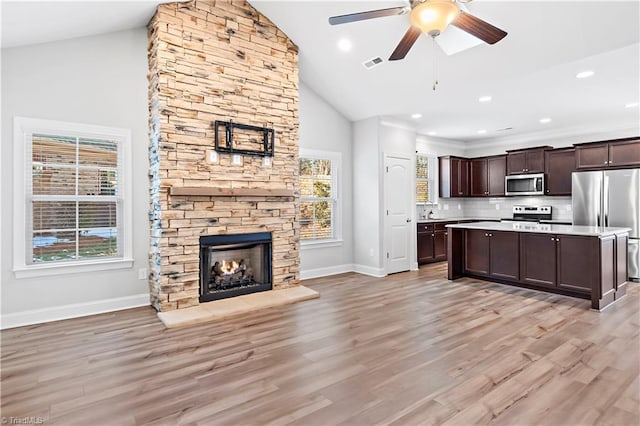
x,y
484,99
482,131
584,74
631,105
432,133
416,115
545,120
344,45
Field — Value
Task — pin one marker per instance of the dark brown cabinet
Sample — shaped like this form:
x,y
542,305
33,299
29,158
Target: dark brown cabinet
x,y
538,259
562,261
432,242
487,176
591,267
492,254
454,177
574,262
497,169
558,165
526,161
602,155
425,243
478,184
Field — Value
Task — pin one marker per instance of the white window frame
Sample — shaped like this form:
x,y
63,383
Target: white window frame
x,y
336,167
23,129
432,179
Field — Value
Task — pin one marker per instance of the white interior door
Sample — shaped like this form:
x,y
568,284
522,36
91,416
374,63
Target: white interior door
x,y
398,191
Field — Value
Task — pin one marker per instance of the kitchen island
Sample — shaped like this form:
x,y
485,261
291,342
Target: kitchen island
x,y
581,261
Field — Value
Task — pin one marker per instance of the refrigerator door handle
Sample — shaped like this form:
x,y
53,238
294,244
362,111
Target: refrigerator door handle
x,y
606,200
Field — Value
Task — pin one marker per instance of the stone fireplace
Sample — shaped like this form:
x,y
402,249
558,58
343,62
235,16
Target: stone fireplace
x,y
222,61
233,265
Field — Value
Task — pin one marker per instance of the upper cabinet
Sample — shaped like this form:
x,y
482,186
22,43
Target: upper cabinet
x,y
602,155
526,160
559,164
487,176
454,177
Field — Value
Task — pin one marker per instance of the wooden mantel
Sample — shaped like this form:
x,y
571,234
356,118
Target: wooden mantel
x,y
205,191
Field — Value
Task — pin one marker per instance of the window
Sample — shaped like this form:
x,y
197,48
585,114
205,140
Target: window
x,y
426,181
70,204
319,201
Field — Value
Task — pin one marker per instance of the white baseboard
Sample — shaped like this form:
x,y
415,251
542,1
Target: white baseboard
x,y
36,316
325,272
368,270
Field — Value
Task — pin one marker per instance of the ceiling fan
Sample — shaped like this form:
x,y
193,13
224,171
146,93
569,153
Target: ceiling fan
x,y
431,17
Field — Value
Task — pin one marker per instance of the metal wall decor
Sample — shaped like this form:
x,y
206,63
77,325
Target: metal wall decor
x,y
264,148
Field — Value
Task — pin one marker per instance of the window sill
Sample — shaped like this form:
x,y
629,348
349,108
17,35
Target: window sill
x,y
307,245
71,268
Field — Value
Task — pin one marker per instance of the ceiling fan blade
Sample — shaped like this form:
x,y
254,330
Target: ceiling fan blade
x,y
361,16
405,44
478,28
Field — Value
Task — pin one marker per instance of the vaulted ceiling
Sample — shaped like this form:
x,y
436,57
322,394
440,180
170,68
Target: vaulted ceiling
x,y
530,75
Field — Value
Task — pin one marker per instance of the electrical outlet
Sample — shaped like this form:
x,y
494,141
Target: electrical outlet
x,y
267,161
371,252
568,207
213,157
446,206
459,206
142,273
237,160
497,206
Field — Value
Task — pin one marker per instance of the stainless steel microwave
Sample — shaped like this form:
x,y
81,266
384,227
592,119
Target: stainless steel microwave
x,y
532,184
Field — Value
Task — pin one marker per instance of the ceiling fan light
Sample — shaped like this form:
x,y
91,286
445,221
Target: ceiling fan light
x,y
433,16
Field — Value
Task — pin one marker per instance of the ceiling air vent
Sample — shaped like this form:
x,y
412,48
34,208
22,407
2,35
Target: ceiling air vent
x,y
374,62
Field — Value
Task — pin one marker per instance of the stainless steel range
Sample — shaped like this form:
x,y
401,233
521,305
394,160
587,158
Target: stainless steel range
x,y
530,213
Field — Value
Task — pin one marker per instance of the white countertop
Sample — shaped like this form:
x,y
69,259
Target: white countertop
x,y
452,219
545,228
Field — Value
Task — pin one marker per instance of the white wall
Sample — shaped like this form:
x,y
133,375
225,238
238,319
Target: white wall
x,y
323,128
94,80
367,239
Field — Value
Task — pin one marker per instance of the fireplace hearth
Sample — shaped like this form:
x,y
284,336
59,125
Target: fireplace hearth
x,y
233,265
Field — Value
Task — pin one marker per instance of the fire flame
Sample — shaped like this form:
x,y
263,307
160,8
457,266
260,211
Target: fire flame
x,y
230,267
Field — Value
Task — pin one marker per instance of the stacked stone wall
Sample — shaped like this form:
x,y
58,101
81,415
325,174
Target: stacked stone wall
x,y
208,61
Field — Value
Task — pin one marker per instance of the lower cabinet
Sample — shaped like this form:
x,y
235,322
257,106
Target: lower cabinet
x,y
425,243
432,242
492,254
588,266
561,261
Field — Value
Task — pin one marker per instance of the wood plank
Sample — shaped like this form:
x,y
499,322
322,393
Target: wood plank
x,y
230,192
411,348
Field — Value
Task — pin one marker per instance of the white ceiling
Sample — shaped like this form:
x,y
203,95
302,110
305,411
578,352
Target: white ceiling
x,y
530,74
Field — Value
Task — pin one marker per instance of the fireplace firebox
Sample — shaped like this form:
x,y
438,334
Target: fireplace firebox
x,y
233,265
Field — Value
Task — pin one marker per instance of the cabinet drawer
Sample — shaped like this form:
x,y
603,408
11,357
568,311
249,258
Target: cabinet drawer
x,y
441,226
425,227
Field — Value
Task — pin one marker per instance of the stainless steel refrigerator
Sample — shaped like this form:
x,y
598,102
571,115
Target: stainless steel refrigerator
x,y
610,198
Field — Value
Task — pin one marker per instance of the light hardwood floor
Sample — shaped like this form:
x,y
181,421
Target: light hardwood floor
x,y
412,348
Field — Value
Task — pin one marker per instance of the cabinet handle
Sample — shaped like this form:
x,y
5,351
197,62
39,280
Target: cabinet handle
x,y
606,162
433,235
491,235
486,235
446,233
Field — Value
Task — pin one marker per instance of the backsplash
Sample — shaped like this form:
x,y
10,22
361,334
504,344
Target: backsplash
x,y
493,208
